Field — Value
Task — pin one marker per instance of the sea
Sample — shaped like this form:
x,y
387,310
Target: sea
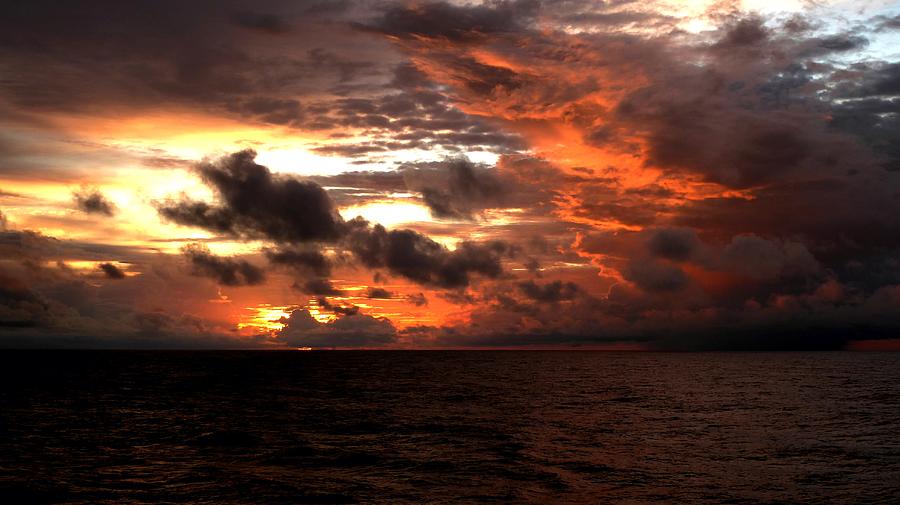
x,y
433,427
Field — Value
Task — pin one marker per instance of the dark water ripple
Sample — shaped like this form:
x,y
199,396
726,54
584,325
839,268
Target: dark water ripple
x,y
449,427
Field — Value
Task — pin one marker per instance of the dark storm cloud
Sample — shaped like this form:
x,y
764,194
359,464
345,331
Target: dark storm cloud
x,y
92,201
254,203
356,330
111,271
420,259
226,271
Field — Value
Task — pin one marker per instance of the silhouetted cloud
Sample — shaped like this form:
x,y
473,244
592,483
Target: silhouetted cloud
x,y
226,271
417,299
374,292
303,261
92,201
356,330
674,243
345,310
111,271
254,203
319,287
655,276
418,258
455,188
550,292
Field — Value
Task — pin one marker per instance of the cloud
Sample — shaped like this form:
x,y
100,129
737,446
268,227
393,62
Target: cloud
x,y
733,188
356,330
379,293
417,299
758,258
92,201
442,20
254,203
45,303
111,271
225,271
550,292
456,188
271,24
656,276
677,244
420,259
345,310
302,261
744,31
319,287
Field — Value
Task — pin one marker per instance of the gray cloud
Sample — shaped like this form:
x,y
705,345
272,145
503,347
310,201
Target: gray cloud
x,y
356,330
420,259
258,204
226,271
92,201
111,271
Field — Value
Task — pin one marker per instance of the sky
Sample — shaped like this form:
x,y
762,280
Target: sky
x,y
672,175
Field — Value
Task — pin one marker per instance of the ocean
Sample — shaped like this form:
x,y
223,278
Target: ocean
x,y
388,427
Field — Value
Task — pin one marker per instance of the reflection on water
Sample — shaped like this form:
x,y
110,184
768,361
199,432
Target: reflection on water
x,y
442,427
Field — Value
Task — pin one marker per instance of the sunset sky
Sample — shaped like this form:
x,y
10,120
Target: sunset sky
x,y
604,174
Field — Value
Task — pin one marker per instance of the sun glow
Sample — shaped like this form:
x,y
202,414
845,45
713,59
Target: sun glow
x,y
265,317
389,213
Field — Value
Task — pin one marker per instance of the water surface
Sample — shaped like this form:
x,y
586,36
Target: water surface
x,y
448,427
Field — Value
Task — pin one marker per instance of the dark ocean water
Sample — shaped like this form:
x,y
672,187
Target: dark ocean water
x,y
449,427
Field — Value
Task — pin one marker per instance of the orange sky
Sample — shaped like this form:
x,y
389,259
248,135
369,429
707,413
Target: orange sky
x,y
570,174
